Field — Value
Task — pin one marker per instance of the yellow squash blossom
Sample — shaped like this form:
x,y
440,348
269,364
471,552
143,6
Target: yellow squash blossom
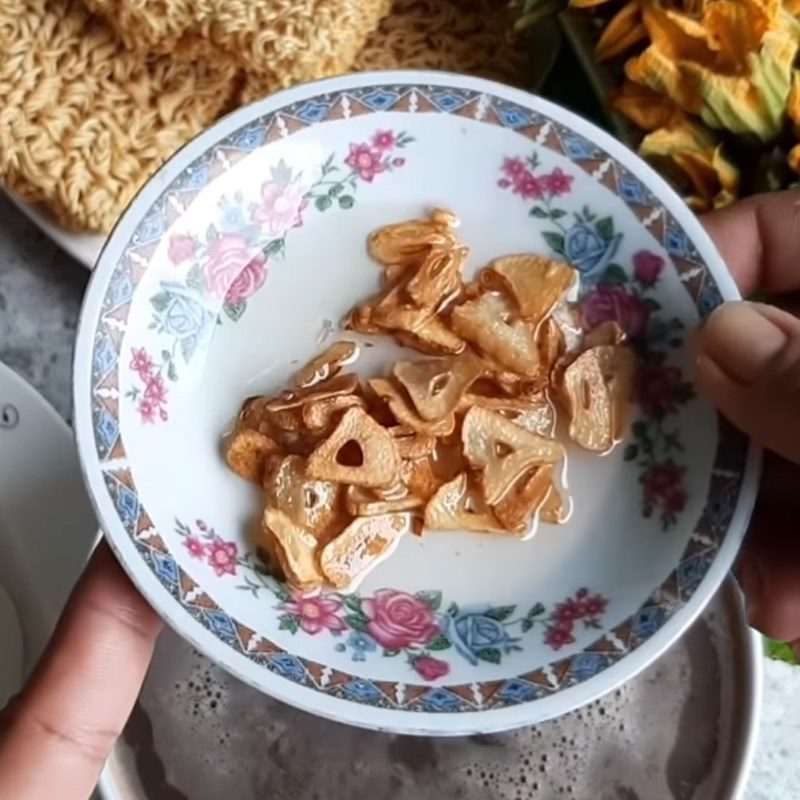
x,y
732,66
689,148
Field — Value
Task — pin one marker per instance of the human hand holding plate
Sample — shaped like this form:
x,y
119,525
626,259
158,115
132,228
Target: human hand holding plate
x,y
749,365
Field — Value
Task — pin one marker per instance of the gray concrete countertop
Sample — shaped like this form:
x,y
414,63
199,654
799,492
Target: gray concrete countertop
x,y
41,289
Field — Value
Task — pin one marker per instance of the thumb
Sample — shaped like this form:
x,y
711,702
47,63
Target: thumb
x,y
748,364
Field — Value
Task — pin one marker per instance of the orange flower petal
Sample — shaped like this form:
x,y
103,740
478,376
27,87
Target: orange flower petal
x,y
644,107
623,31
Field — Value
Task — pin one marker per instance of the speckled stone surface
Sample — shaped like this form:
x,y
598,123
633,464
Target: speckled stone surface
x,y
40,296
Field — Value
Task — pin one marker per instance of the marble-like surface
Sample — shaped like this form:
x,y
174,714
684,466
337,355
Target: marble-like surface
x,y
40,296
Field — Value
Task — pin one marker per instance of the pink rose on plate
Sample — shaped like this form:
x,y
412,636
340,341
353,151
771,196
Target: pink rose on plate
x,y
181,247
611,303
399,620
281,207
384,140
647,267
234,269
430,668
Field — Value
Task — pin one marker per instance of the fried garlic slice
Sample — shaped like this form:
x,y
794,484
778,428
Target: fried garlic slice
x,y
359,451
326,364
406,244
535,283
360,547
320,416
518,507
247,453
295,549
503,450
435,386
405,414
455,508
332,387
488,322
438,278
596,388
432,337
312,504
361,502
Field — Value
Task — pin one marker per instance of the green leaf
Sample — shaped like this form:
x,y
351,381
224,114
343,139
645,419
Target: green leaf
x,y
166,355
357,622
615,274
557,213
353,603
327,166
160,301
536,611
391,653
336,190
605,228
555,241
172,373
194,278
539,212
211,233
490,654
281,173
288,623
781,651
273,247
630,453
500,612
526,625
452,610
346,201
323,203
441,642
652,304
234,311
432,598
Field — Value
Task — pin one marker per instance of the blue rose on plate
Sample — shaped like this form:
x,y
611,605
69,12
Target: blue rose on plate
x,y
587,251
183,315
473,632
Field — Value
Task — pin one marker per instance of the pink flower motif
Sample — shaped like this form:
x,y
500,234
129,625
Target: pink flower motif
x,y
594,606
316,613
399,620
181,247
281,207
647,267
398,162
194,546
156,390
234,269
659,387
141,363
514,167
662,485
558,635
568,611
529,187
365,161
222,557
430,668
612,303
558,183
384,140
147,411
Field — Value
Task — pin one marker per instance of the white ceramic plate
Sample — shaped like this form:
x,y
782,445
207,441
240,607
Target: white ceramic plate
x,y
47,527
221,277
83,247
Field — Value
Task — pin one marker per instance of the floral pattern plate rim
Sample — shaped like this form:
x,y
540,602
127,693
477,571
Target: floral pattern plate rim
x,y
195,251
